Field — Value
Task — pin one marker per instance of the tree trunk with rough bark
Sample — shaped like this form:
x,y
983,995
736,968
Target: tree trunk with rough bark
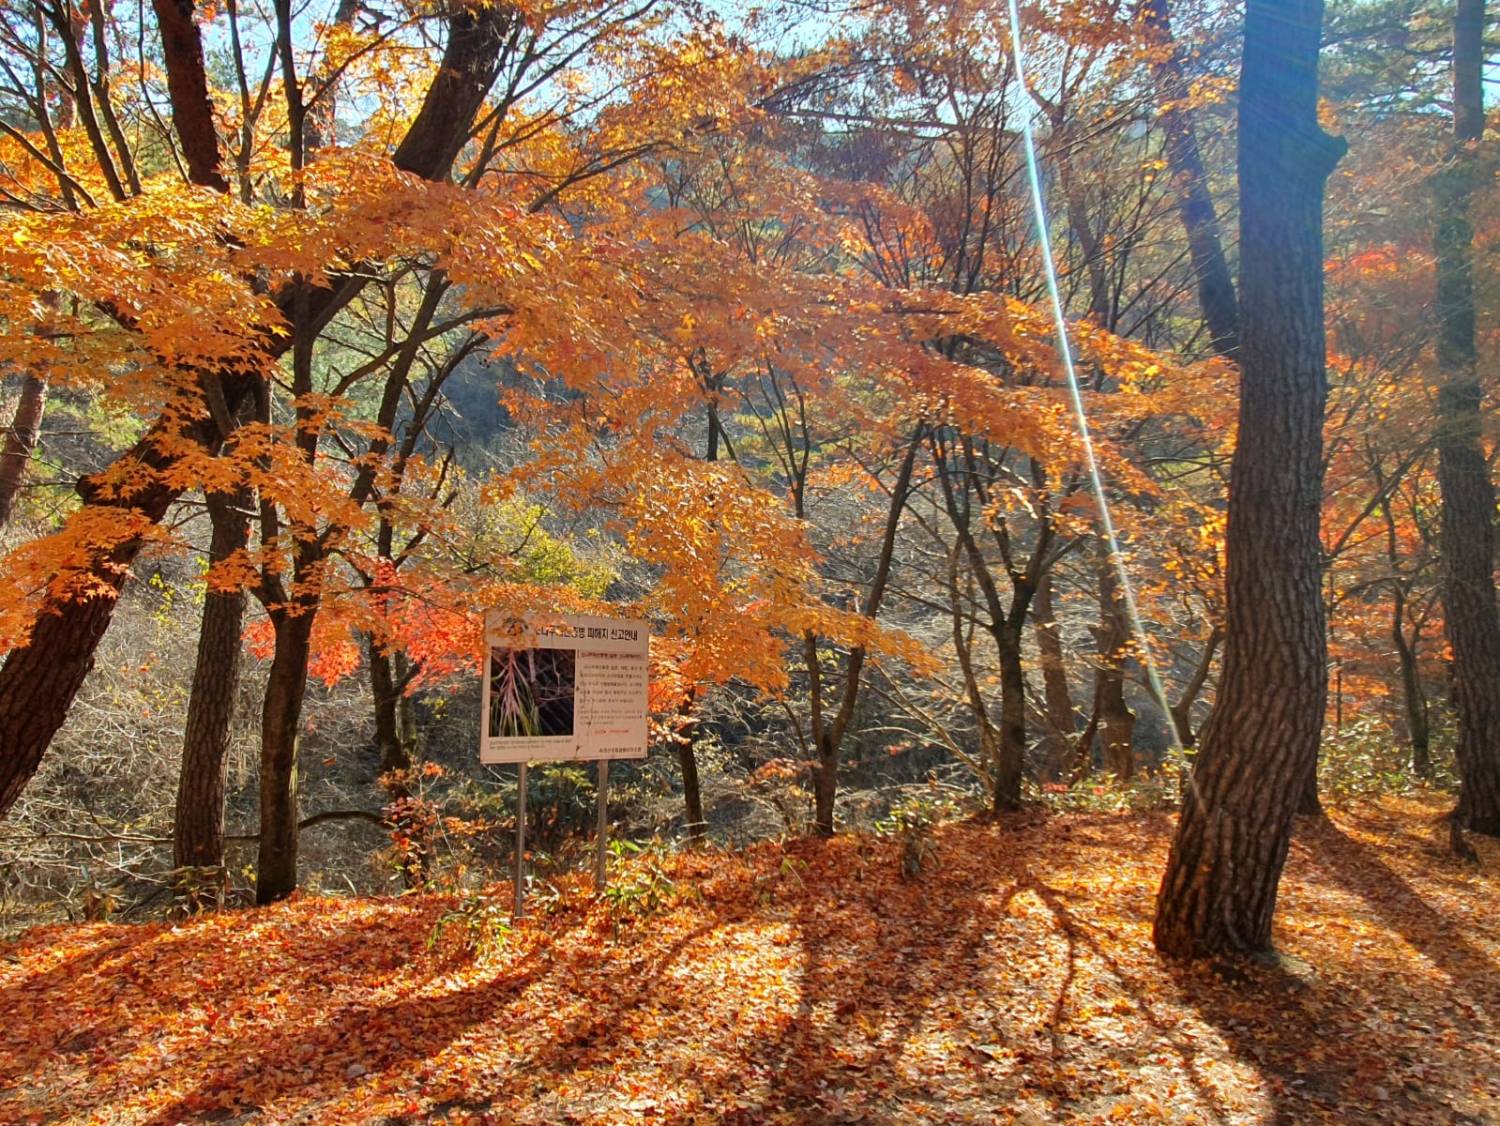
x,y
39,679
1218,893
1310,804
198,822
1468,521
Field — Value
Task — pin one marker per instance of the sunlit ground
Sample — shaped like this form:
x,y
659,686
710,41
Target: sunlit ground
x,y
1014,982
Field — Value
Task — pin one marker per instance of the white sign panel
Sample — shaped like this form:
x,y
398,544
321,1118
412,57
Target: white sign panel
x,y
563,686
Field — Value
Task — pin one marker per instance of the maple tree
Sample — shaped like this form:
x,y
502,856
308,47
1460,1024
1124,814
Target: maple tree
x,y
199,382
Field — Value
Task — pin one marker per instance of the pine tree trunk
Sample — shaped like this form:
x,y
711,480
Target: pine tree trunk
x,y
1310,804
281,724
20,441
1468,523
198,824
1218,893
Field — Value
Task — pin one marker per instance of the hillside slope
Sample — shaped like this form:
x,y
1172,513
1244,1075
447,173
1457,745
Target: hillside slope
x,y
1013,981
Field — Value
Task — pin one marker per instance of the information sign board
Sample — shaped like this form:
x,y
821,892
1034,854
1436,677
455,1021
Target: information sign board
x,y
563,686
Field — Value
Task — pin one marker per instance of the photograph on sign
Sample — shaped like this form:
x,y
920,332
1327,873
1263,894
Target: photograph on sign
x,y
563,686
532,692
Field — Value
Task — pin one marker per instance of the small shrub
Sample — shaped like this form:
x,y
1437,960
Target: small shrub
x,y
912,821
1365,758
200,888
643,888
480,924
1103,794
97,903
787,873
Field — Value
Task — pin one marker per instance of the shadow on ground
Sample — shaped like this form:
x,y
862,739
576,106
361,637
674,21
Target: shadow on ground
x,y
1012,981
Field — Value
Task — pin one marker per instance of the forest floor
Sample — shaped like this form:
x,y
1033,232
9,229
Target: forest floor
x,y
807,983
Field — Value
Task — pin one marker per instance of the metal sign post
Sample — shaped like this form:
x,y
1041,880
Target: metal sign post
x,y
520,872
601,876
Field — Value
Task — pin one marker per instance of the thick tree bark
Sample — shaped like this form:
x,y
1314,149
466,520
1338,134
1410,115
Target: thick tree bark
x,y
280,729
470,64
1218,893
198,823
1062,720
1310,804
40,679
1216,298
1468,522
20,441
